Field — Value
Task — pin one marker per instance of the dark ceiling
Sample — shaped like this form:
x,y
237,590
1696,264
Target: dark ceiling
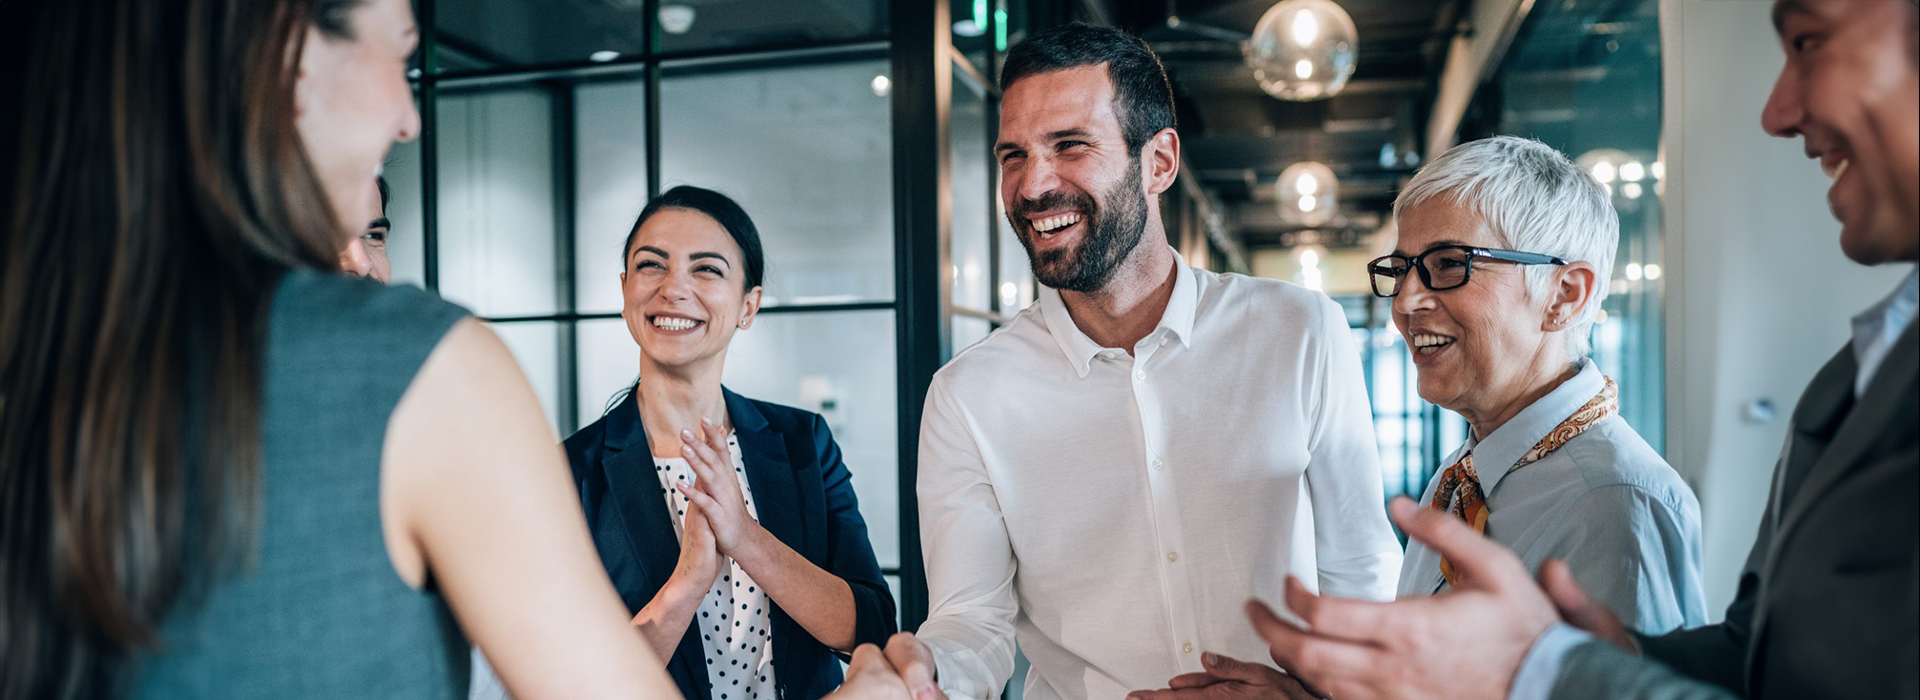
x,y
1578,71
1237,138
486,34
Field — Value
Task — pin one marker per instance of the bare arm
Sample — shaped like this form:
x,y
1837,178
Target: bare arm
x,y
664,620
474,489
818,600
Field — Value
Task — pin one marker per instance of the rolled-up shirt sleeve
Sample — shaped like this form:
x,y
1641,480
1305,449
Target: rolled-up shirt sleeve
x,y
969,560
1357,553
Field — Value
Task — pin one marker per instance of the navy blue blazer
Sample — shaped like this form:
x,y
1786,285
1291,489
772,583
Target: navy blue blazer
x,y
804,495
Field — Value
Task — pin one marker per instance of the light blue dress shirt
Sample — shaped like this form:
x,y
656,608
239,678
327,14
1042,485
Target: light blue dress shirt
x,y
1605,502
1878,328
1874,333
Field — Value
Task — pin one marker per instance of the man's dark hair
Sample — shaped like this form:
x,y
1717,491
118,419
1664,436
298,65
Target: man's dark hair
x,y
380,181
1142,97
721,209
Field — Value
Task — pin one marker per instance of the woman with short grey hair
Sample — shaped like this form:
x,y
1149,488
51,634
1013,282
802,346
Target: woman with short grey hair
x,y
1502,260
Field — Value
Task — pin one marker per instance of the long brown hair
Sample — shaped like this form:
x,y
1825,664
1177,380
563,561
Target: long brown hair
x,y
153,190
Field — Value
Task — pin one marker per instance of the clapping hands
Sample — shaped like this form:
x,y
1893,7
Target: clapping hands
x,y
715,490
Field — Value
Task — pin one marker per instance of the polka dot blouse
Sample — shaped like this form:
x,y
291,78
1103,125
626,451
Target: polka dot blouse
x,y
734,621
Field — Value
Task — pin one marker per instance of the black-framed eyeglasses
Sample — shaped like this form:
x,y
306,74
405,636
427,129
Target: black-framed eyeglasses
x,y
1444,267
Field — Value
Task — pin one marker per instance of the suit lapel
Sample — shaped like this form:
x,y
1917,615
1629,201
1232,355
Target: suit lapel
x,y
769,473
1815,422
1829,432
634,485
782,510
1858,430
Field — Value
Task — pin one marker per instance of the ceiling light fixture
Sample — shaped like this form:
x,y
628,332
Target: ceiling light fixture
x,y
1303,50
1307,193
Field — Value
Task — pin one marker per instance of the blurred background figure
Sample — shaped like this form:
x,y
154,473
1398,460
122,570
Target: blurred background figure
x,y
366,254
206,490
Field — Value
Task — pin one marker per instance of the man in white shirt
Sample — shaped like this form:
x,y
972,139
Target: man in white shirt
x,y
1109,477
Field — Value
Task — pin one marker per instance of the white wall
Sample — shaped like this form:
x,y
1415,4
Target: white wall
x,y
1759,293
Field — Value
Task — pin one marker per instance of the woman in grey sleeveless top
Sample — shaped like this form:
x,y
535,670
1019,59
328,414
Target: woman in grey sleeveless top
x,y
225,473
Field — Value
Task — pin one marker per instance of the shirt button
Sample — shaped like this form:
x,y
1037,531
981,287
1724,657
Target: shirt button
x,y
1173,556
1158,465
1186,648
1140,375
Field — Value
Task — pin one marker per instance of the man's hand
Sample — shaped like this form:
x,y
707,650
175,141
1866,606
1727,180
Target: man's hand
x,y
914,661
886,675
870,677
1229,679
1465,644
1581,611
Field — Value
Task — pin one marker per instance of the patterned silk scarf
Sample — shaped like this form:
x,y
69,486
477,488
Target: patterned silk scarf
x,y
1460,485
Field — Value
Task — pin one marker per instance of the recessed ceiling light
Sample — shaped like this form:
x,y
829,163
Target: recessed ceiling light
x,y
603,55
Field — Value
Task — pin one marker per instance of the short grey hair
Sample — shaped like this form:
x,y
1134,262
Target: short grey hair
x,y
1534,200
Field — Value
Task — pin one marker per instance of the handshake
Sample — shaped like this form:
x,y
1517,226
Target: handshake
x,y
903,671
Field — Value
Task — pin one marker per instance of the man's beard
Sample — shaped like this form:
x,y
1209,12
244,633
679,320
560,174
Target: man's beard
x,y
1113,229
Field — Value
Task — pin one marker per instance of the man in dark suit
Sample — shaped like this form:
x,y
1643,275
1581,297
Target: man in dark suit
x,y
1829,601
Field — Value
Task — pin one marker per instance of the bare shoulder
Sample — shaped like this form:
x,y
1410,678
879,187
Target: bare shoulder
x,y
467,408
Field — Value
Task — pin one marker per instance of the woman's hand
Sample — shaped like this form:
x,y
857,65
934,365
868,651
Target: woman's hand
x,y
716,491
700,559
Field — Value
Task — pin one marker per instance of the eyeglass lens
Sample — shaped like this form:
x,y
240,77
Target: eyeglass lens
x,y
1446,268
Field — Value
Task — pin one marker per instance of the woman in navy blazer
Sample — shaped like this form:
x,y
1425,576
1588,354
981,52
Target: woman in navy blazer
x,y
749,585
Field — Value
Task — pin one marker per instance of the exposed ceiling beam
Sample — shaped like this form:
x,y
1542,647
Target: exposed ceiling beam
x,y
1474,54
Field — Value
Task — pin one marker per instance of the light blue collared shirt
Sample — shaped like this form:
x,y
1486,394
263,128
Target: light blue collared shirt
x,y
1605,502
1876,329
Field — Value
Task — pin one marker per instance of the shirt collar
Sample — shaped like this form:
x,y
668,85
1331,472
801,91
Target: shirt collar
x,y
1080,350
1493,456
1883,322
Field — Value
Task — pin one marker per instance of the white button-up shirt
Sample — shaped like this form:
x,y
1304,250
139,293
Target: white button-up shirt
x,y
1113,512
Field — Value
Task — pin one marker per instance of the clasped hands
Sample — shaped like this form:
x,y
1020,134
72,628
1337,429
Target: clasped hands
x,y
716,525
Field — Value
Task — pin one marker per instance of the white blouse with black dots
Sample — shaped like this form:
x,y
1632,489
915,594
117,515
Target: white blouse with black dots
x,y
734,621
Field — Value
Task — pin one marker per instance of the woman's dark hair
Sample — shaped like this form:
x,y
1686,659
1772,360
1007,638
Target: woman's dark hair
x,y
153,191
718,207
1142,97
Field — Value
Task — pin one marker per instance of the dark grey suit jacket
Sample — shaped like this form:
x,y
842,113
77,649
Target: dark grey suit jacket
x,y
1829,601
